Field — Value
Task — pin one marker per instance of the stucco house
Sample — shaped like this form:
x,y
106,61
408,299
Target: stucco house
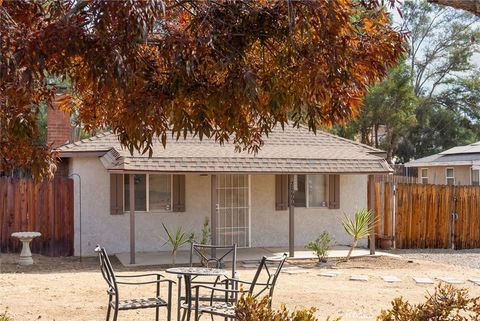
x,y
245,196
456,166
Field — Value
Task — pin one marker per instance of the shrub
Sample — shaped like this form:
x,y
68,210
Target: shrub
x,y
320,246
250,309
445,304
5,317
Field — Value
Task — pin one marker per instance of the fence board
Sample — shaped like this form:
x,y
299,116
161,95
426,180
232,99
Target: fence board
x,y
46,207
423,213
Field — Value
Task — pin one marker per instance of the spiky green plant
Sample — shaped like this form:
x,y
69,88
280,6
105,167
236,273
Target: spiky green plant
x,y
176,240
358,227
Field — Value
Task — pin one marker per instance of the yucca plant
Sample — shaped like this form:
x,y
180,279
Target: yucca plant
x,y
358,227
176,240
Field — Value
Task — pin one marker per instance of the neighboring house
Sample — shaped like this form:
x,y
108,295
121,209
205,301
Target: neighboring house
x,y
457,166
245,196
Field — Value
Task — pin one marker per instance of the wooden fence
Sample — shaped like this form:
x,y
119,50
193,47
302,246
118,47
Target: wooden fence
x,y
425,216
45,207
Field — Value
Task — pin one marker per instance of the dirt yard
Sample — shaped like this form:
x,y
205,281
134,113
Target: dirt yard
x,y
65,289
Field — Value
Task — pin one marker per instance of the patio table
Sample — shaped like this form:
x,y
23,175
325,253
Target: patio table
x,y
188,273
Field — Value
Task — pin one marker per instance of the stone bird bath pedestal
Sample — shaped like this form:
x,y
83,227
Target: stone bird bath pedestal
x,y
26,238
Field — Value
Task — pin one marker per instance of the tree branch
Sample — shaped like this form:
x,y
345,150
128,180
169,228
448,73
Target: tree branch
x,y
472,6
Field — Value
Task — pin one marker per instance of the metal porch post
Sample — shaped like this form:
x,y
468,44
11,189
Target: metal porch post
x,y
213,211
291,217
131,185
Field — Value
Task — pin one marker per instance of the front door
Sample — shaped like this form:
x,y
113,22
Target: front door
x,y
233,214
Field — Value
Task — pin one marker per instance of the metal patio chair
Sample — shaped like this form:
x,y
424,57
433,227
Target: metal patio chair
x,y
271,267
114,301
210,256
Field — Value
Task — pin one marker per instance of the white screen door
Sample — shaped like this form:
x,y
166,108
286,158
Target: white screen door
x,y
233,221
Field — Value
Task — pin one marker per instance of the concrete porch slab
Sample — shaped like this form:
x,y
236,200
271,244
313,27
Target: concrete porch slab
x,y
244,255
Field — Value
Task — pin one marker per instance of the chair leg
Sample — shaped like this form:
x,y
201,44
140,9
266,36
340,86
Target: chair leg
x,y
115,314
157,313
109,309
108,312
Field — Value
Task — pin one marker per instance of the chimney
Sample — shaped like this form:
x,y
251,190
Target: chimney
x,y
59,129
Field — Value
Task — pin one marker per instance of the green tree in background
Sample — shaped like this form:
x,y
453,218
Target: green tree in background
x,y
438,84
388,112
445,80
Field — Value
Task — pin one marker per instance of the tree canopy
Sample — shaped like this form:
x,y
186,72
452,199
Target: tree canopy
x,y
443,79
227,69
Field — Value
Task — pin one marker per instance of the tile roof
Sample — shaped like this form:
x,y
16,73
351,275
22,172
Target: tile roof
x,y
294,150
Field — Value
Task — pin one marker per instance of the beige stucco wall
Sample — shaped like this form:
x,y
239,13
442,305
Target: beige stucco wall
x,y
437,174
268,227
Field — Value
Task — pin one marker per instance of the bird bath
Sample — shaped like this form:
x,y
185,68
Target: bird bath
x,y
26,238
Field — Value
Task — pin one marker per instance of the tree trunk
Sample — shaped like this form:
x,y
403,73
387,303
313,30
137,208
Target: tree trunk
x,y
376,135
174,257
354,244
472,6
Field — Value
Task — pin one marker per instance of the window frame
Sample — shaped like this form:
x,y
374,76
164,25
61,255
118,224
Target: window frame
x,y
471,176
307,193
423,177
449,177
147,191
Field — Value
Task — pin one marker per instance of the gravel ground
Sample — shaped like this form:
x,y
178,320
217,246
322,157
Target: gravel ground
x,y
466,258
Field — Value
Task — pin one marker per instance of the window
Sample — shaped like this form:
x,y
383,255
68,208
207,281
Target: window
x,y
159,191
424,175
450,176
311,191
475,177
140,182
152,192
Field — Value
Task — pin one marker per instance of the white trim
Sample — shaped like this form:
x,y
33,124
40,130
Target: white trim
x,y
307,191
421,175
471,175
147,192
449,177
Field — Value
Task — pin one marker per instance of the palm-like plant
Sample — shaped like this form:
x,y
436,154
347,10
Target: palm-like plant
x,y
176,240
359,227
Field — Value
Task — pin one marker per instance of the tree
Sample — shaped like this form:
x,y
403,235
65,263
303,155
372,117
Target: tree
x,y
230,70
472,6
390,107
441,45
444,84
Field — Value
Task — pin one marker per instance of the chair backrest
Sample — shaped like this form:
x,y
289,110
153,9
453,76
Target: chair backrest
x,y
107,270
214,255
266,281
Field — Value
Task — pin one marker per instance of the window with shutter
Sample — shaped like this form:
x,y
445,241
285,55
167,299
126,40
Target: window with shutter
x,y
178,193
334,191
281,192
116,194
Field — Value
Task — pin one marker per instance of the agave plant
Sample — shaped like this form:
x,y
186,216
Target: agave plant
x,y
176,240
358,227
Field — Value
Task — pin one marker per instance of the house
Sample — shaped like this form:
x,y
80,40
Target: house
x,y
456,166
245,196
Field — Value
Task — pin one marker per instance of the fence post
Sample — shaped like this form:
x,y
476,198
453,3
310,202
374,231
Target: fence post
x,y
453,218
371,184
394,215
